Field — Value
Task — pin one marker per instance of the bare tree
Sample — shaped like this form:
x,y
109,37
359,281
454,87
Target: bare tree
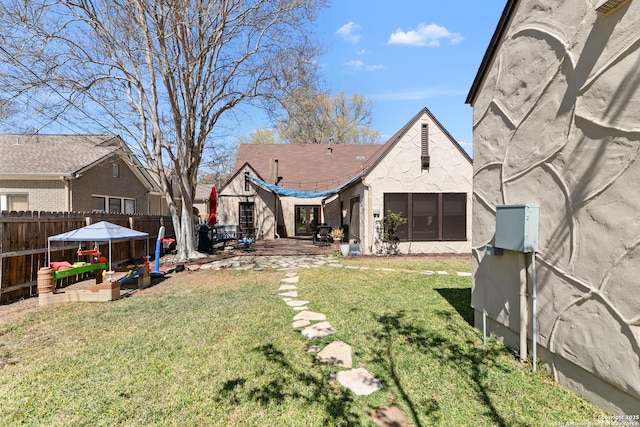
x,y
163,72
316,118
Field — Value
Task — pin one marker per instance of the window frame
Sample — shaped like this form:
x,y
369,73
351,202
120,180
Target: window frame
x,y
408,232
107,201
6,203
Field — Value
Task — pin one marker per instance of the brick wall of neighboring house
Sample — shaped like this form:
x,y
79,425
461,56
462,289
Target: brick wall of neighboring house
x,y
99,181
44,195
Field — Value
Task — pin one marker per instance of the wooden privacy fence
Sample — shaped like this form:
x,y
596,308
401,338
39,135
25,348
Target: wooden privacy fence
x,y
23,244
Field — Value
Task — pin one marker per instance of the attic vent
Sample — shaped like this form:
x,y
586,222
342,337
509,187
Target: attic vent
x,y
608,5
424,142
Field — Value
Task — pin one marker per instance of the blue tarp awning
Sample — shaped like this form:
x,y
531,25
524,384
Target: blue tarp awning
x,y
302,194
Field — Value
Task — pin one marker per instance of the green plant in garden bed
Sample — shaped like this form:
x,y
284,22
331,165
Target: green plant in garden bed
x,y
217,348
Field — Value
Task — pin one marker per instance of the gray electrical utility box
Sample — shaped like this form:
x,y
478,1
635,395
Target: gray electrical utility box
x,y
517,227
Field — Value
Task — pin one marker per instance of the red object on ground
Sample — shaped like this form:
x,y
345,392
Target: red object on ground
x,y
212,206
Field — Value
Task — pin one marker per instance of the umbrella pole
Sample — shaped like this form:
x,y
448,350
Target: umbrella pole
x,y
110,266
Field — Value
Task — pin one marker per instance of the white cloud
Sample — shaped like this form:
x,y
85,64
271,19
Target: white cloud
x,y
362,52
349,31
356,64
424,35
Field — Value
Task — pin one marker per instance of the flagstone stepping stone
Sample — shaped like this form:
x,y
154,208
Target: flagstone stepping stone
x,y
310,315
287,299
352,267
301,308
428,272
336,265
338,353
313,349
297,303
300,324
294,279
464,274
442,272
287,287
293,294
387,269
360,381
318,330
291,274
389,416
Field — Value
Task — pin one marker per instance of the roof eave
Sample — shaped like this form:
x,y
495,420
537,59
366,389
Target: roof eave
x,y
37,176
489,55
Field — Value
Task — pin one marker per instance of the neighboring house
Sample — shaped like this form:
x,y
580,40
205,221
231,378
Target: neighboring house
x,y
201,201
80,173
556,123
421,172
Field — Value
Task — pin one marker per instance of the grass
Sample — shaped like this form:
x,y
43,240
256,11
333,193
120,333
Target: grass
x,y
217,348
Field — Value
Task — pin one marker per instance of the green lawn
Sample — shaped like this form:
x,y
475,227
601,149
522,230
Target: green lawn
x,y
217,348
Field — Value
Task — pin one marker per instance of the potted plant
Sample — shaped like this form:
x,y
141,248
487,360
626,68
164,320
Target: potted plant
x,y
337,234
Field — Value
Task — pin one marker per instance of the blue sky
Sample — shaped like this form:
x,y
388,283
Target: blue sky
x,y
408,54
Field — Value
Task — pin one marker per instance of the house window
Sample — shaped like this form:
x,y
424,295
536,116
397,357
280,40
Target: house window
x,y
116,170
14,202
98,204
129,206
246,217
430,216
113,204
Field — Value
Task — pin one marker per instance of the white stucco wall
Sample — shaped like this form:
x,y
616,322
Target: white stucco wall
x,y
556,122
400,172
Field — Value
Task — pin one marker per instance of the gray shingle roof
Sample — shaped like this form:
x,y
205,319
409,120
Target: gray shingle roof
x,y
53,154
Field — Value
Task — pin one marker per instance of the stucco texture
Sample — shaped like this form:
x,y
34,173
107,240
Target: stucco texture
x,y
556,123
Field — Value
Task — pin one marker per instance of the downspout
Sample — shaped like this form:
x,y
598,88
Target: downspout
x,y
67,192
534,315
368,219
275,198
523,306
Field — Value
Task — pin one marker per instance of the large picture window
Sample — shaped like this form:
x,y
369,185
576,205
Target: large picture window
x,y
430,216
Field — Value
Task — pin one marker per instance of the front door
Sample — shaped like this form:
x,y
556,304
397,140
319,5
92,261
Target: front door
x,y
307,218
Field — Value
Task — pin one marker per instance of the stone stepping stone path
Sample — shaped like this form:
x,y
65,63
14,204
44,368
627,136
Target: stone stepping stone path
x,y
297,303
300,324
388,416
318,330
360,381
293,294
310,315
338,353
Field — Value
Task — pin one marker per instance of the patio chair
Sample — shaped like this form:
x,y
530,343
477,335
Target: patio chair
x,y
323,235
248,239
